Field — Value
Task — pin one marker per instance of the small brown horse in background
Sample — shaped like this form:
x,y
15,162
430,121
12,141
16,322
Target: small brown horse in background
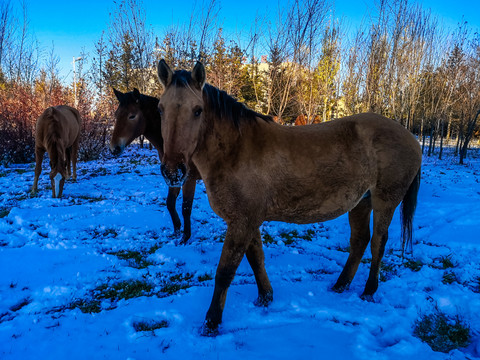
x,y
137,114
303,120
255,170
57,133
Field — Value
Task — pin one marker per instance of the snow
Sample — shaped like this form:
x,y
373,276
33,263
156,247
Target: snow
x,y
55,252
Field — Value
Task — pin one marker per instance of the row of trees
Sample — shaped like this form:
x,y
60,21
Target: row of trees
x,y
401,63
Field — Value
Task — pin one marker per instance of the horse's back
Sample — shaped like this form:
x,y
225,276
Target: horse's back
x,y
318,172
385,138
70,116
395,150
64,120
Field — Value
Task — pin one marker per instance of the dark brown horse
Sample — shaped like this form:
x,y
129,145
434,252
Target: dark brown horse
x,y
58,133
137,114
255,170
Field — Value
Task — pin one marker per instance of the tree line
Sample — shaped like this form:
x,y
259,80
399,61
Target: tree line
x,y
303,61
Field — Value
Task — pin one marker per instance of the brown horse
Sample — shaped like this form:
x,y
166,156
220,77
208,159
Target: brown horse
x,y
58,133
303,120
137,114
255,170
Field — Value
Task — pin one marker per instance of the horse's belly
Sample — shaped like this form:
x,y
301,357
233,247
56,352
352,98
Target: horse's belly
x,y
310,210
303,217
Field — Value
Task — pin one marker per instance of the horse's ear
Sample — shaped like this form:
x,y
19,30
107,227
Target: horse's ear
x,y
136,94
118,94
198,74
49,111
165,74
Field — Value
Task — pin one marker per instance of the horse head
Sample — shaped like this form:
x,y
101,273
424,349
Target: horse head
x,y
58,174
181,109
129,120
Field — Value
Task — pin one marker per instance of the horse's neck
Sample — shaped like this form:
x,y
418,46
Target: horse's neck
x,y
220,146
153,130
56,153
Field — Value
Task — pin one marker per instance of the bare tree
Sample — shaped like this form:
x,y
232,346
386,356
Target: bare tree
x,y
354,73
6,29
19,48
131,55
183,44
98,65
294,53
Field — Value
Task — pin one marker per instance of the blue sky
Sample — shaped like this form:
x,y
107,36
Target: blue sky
x,y
71,25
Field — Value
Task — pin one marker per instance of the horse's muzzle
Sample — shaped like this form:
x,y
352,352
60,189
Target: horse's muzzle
x,y
116,150
174,177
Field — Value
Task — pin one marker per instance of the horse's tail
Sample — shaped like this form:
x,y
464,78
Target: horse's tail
x,y
407,211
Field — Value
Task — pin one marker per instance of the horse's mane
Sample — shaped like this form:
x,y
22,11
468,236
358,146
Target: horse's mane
x,y
129,98
222,105
149,104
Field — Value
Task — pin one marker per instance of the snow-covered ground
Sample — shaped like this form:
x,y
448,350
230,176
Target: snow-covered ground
x,y
80,275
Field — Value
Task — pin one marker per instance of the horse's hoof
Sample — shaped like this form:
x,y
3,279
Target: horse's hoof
x,y
339,288
366,297
209,329
264,300
184,240
175,235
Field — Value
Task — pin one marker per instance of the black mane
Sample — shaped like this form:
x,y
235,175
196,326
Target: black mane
x,y
129,98
222,105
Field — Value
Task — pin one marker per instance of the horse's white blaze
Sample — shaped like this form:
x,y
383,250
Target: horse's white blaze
x,y
57,179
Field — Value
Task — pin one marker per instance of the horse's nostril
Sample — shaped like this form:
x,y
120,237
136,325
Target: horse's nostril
x,y
116,150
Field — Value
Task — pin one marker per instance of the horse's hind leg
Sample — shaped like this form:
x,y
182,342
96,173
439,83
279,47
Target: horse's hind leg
x,y
188,194
381,221
256,259
39,153
171,202
359,219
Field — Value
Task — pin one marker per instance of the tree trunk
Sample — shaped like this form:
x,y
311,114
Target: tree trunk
x,y
441,140
449,127
468,137
459,139
421,130
430,143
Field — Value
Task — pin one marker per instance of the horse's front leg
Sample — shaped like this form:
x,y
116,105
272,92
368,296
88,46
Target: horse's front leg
x,y
171,202
39,153
188,194
237,240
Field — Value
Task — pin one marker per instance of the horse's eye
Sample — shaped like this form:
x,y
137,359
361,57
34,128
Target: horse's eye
x,y
132,117
197,112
